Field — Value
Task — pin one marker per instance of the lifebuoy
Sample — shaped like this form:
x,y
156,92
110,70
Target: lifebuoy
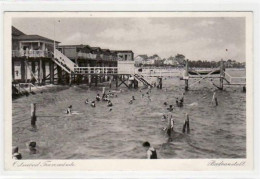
x,y
97,70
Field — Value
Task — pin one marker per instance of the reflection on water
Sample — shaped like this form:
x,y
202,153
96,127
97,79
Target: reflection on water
x,y
216,132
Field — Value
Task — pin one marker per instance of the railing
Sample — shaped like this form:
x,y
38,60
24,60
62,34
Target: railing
x,y
235,80
63,60
31,53
82,55
95,70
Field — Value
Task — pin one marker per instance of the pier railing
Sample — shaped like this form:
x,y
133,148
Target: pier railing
x,y
235,80
95,70
31,53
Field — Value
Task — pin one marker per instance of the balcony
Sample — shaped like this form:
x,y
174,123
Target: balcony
x,y
32,53
96,57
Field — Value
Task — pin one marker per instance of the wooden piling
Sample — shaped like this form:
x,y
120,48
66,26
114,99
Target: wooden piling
x,y
43,72
221,74
70,79
22,70
40,71
187,75
96,80
51,66
33,115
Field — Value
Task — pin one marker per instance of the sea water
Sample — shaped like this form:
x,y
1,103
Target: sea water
x,y
98,133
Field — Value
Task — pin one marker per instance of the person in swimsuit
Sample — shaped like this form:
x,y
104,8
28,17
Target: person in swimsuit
x,y
98,97
69,109
151,152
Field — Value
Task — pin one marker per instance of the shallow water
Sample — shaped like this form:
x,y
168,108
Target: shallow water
x,y
216,132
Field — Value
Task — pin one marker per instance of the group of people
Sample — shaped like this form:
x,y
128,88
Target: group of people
x,y
105,97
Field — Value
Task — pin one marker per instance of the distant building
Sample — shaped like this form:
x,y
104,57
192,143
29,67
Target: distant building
x,y
171,61
140,59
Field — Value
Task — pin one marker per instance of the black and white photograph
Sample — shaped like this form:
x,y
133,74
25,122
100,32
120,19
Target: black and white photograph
x,y
126,86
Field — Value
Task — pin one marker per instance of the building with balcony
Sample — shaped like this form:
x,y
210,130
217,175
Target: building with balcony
x,y
31,56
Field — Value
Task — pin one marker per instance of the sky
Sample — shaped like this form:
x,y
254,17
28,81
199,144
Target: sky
x,y
198,38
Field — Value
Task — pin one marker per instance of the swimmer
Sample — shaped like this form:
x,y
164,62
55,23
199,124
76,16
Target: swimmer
x,y
105,98
177,101
164,117
69,109
110,109
131,101
170,108
151,152
109,103
93,104
86,102
165,103
98,97
133,98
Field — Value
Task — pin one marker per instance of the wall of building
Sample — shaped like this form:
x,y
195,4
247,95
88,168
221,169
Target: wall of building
x,y
126,67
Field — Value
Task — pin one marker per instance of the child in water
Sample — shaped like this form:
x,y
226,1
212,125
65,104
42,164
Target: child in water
x,y
69,109
98,97
170,108
93,104
109,103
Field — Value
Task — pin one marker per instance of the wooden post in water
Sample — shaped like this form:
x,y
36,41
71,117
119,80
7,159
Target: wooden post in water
x,y
22,70
89,76
96,80
186,75
40,71
25,70
33,115
221,74
116,80
70,79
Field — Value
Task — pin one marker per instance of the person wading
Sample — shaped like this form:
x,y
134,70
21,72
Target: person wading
x,y
186,124
151,152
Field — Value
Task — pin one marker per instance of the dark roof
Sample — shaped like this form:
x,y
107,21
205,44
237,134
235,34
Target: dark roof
x,y
16,32
33,37
95,48
124,51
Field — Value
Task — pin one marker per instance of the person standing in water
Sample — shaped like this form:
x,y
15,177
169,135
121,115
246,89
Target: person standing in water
x,y
98,97
69,109
186,124
93,104
151,152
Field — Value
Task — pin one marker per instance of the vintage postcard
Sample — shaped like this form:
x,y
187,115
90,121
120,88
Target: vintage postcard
x,y
143,91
